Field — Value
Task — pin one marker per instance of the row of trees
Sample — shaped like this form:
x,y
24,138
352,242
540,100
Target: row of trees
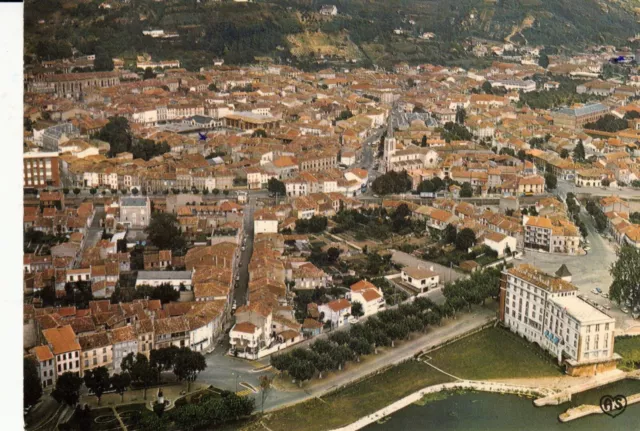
x,y
315,224
377,223
381,330
574,210
608,123
598,216
165,293
137,370
463,293
117,133
456,132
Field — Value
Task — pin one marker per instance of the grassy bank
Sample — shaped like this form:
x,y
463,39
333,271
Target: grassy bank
x,y
494,353
350,404
629,349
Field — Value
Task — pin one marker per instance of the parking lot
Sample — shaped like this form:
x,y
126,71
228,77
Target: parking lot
x,y
588,272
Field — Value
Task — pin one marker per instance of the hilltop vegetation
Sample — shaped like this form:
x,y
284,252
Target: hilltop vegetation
x,y
364,29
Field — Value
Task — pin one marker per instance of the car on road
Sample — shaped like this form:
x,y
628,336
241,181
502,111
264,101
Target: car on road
x,y
235,305
595,291
625,310
598,290
607,307
237,278
244,248
605,295
587,248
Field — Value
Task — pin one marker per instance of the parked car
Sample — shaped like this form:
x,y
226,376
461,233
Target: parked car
x,y
595,291
244,248
605,295
625,310
598,290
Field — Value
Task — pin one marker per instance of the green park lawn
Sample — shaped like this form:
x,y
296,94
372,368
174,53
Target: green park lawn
x,y
494,353
350,404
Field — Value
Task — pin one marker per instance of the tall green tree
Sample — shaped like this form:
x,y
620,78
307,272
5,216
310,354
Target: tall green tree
x,y
356,309
164,359
626,277
578,152
142,373
550,181
103,61
148,74
97,381
274,185
465,239
188,365
449,234
543,60
466,191
32,385
164,232
118,134
120,382
67,389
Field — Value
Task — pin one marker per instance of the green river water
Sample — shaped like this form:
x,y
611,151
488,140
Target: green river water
x,y
475,411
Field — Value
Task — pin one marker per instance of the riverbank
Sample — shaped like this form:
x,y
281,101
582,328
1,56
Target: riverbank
x,y
587,409
502,388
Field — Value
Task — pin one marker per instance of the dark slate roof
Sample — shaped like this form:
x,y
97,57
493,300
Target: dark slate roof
x,y
563,271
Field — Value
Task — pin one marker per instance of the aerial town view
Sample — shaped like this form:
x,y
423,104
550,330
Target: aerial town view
x,y
308,215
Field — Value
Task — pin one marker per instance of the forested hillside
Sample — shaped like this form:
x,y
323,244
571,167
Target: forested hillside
x,y
363,30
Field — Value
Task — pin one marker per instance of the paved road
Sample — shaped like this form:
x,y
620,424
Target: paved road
x,y
391,356
94,233
564,187
241,291
446,274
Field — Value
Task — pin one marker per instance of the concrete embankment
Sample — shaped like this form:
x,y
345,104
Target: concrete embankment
x,y
503,388
565,396
588,409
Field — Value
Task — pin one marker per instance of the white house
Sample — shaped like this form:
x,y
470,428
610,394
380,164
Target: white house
x,y
420,278
369,296
156,278
336,312
264,222
500,242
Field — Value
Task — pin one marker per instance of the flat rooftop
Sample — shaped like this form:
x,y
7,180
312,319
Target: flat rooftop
x,y
581,310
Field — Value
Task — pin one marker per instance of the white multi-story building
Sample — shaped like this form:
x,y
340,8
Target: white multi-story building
x,y
547,311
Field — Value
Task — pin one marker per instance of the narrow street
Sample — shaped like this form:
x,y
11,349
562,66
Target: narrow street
x,y
94,233
241,292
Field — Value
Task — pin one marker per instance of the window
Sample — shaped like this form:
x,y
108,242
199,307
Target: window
x,y
606,326
597,329
77,364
